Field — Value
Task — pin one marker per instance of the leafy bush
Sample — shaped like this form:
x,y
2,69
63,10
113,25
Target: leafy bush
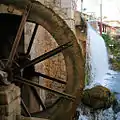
x,y
108,39
113,46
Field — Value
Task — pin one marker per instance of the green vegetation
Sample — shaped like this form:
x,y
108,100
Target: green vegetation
x,y
86,79
113,46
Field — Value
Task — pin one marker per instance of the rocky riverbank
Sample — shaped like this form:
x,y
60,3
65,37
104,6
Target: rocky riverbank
x,y
99,103
86,113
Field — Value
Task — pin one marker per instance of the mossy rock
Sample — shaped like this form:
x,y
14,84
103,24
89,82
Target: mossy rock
x,y
98,97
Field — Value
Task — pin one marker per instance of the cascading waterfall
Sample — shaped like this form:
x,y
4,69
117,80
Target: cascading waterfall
x,y
98,67
97,56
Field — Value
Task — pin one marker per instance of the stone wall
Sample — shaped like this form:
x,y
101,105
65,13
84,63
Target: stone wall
x,y
64,8
10,108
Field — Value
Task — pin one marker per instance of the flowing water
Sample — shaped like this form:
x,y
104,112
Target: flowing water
x,y
98,67
97,56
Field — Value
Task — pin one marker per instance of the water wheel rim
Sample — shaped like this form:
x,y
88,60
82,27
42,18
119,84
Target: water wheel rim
x,y
47,18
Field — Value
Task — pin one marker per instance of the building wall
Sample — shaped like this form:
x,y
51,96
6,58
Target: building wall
x,y
64,8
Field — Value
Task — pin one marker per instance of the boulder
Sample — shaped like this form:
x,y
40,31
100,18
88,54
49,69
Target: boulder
x,y
98,97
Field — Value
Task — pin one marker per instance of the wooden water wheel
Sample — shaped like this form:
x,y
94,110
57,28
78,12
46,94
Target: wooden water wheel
x,y
16,63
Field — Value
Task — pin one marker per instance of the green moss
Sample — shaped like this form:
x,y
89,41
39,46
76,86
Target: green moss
x,y
98,97
86,79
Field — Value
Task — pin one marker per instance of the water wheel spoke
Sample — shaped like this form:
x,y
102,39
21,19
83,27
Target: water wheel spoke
x,y
37,97
32,39
30,83
18,36
25,108
49,77
47,55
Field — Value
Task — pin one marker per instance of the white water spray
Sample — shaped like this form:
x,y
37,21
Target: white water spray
x,y
97,56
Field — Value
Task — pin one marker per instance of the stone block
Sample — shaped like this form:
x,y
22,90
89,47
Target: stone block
x,y
13,107
11,117
68,12
66,3
58,3
8,94
54,3
10,107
